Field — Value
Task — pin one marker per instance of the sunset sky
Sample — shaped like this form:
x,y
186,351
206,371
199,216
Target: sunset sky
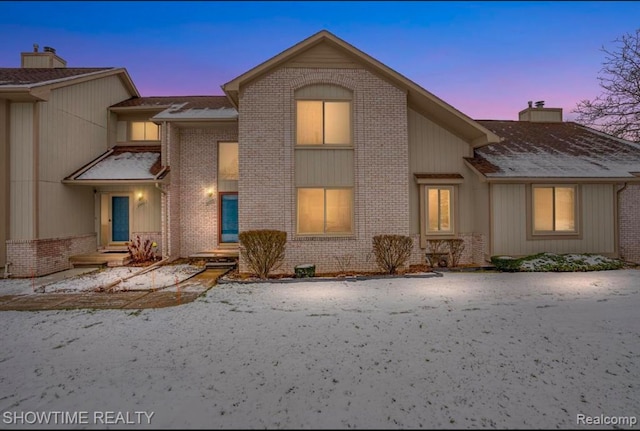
x,y
487,59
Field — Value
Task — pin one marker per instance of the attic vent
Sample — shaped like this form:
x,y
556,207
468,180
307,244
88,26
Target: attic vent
x,y
49,49
539,103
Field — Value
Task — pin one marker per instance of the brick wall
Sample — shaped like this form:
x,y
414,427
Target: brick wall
x,y
45,256
198,173
266,186
629,223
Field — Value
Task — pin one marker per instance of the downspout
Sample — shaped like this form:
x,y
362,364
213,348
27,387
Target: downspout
x,y
7,274
616,236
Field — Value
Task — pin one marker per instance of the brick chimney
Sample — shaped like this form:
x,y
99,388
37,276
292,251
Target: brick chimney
x,y
46,59
540,114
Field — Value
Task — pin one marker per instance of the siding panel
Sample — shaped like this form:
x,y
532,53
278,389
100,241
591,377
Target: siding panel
x,y
510,222
21,185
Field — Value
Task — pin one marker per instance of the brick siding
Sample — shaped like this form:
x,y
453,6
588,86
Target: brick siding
x,y
45,256
629,223
266,186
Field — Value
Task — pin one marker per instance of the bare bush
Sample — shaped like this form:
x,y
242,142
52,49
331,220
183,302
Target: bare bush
x,y
392,251
141,252
456,247
263,250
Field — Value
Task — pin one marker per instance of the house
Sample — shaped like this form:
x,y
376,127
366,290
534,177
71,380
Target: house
x,y
331,146
52,120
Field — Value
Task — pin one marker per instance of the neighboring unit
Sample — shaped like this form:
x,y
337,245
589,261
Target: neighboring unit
x,y
321,141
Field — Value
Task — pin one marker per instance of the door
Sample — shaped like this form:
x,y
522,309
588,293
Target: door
x,y
119,219
228,217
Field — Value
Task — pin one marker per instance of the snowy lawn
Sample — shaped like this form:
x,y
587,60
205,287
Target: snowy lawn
x,y
466,350
126,277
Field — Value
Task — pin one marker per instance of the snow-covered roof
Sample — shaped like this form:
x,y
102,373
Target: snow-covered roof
x,y
183,107
122,163
182,112
554,150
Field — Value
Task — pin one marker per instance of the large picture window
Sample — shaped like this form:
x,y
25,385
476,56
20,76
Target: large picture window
x,y
325,211
439,202
144,131
323,122
554,209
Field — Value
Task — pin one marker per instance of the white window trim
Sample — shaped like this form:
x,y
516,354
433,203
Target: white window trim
x,y
130,131
425,185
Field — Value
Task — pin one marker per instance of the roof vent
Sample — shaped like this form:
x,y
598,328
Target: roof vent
x,y
49,49
35,47
530,103
539,103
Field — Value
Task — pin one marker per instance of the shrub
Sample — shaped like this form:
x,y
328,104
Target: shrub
x,y
263,250
456,247
141,252
506,263
391,251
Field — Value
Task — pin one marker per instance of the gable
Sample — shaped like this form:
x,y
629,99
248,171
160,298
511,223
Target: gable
x,y
323,55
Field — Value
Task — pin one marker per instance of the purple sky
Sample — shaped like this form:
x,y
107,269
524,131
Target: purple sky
x,y
487,59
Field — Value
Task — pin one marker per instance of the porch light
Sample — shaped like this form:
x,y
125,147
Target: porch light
x,y
209,193
140,198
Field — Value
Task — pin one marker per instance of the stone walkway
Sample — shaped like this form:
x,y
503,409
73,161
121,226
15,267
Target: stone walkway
x,y
185,292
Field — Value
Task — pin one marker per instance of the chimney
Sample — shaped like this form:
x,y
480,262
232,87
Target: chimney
x,y
540,114
48,59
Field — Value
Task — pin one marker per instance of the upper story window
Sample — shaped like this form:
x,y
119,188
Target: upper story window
x,y
554,209
144,131
323,122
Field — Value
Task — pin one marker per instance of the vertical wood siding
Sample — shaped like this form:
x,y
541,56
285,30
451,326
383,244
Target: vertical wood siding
x,y
21,179
4,179
326,168
145,217
509,223
73,131
322,55
433,149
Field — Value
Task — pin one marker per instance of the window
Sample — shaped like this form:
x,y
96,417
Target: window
x,y
228,161
439,201
144,131
323,122
325,211
554,209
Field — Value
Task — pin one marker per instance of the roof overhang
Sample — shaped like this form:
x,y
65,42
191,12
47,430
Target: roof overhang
x,y
42,90
417,97
548,180
148,178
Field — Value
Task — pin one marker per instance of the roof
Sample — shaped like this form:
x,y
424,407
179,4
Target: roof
x,y
12,76
418,97
31,84
554,150
121,164
182,107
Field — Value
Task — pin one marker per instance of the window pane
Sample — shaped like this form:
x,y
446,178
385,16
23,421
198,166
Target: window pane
x,y
543,208
137,131
151,131
432,205
445,209
565,209
337,123
309,122
339,210
228,161
310,210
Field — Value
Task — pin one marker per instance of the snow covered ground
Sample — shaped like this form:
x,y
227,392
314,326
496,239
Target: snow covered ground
x,y
465,350
118,278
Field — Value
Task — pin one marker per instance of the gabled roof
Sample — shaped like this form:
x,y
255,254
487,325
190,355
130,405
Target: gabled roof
x,y
418,97
554,150
36,83
121,164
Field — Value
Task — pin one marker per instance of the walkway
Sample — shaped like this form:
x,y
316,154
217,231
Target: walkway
x,y
185,292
